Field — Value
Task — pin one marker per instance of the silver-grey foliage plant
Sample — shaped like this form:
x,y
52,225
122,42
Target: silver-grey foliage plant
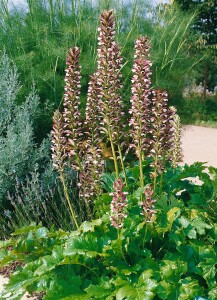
x,y
18,151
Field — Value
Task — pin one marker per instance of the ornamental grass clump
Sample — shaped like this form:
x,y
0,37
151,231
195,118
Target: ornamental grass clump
x,y
148,129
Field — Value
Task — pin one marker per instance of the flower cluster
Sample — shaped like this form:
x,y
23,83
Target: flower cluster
x,y
89,178
118,204
92,112
162,132
71,114
140,100
148,209
58,142
108,74
154,128
175,153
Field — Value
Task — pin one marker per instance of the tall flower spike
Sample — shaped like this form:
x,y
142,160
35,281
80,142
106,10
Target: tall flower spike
x,y
92,113
118,204
58,142
108,74
72,116
161,130
175,153
90,177
140,109
58,156
148,209
167,131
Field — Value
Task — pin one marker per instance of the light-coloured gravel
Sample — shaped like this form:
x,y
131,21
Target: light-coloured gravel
x,y
200,144
3,281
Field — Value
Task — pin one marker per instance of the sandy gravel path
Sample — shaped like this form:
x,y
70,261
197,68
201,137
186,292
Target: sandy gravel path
x,y
200,144
4,280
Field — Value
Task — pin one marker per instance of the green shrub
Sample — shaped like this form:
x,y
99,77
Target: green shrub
x,y
198,112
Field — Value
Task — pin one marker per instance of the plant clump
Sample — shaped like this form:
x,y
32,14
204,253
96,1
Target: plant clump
x,y
148,129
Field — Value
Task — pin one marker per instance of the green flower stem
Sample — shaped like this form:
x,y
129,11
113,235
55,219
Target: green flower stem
x,y
68,199
122,164
120,245
161,183
145,234
78,160
141,167
155,166
88,210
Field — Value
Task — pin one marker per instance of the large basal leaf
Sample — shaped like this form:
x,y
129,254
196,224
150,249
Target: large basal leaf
x,y
77,297
97,292
108,181
194,170
143,290
26,230
137,194
213,294
200,226
171,271
213,232
48,263
27,244
172,214
63,288
144,277
126,292
90,246
90,226
132,174
3,254
18,284
164,221
41,233
209,270
189,288
130,292
163,289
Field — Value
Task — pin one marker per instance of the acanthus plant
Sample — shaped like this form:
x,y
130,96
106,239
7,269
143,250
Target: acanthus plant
x,y
149,126
144,244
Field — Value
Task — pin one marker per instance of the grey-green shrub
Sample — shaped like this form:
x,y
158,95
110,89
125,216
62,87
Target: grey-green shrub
x,y
18,151
8,90
40,199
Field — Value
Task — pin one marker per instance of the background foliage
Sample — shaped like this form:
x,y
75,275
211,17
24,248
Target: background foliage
x,y
38,38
